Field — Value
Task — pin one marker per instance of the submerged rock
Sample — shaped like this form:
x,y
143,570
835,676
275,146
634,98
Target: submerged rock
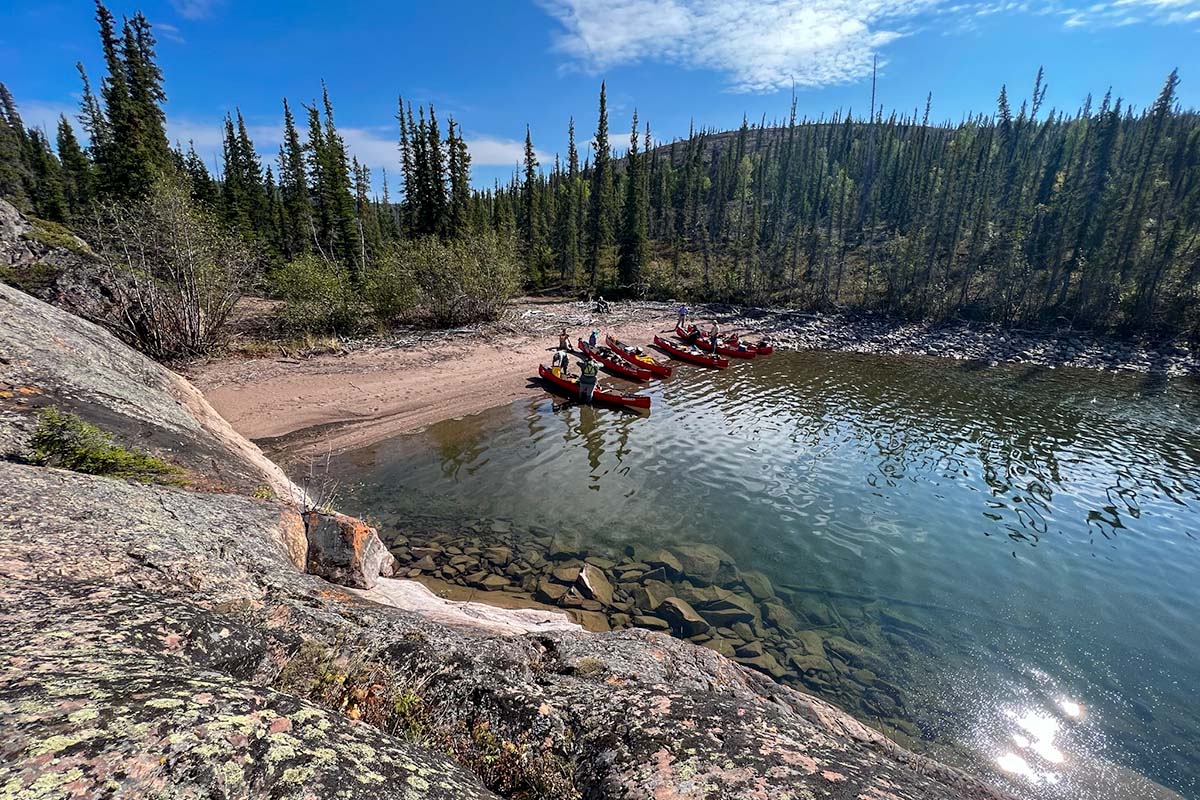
x,y
682,617
595,585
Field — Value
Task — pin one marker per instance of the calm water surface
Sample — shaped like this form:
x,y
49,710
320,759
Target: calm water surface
x,y
1040,528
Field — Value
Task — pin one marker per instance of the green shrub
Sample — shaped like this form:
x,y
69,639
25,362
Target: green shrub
x,y
317,295
173,269
389,287
66,441
464,280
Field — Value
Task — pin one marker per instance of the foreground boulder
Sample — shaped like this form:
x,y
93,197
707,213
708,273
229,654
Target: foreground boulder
x,y
346,550
160,642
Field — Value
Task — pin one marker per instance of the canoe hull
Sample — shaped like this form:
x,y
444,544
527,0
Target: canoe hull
x,y
675,351
616,363
625,351
705,343
600,395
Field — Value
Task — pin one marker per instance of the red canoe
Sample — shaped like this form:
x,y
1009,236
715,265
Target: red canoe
x,y
645,360
705,343
614,362
691,354
571,386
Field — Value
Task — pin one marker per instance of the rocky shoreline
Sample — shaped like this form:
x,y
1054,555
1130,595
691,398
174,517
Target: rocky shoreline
x,y
694,592
854,333
173,641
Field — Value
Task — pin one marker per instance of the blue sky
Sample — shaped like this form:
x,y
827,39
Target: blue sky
x,y
497,66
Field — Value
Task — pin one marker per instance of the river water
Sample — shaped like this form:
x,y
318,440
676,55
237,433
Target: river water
x,y
1018,547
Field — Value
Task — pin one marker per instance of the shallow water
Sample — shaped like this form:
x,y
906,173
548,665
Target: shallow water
x,y
1020,546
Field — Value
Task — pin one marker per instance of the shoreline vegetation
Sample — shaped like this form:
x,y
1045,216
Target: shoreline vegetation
x,y
313,396
1083,224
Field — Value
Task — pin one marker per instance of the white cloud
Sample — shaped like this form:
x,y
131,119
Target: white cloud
x,y
1119,13
169,31
44,114
195,9
494,151
763,45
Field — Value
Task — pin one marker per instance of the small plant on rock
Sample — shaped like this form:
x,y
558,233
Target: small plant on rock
x,y
64,440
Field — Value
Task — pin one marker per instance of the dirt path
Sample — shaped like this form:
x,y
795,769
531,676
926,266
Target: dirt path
x,y
363,396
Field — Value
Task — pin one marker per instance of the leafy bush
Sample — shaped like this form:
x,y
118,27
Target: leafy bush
x,y
464,280
389,287
66,441
174,271
318,296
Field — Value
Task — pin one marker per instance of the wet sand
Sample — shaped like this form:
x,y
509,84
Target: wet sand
x,y
354,399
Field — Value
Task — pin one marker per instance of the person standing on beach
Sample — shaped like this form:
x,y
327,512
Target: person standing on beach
x,y
587,379
716,336
594,339
683,312
564,340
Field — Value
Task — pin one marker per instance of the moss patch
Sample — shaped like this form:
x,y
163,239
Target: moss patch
x,y
64,440
56,235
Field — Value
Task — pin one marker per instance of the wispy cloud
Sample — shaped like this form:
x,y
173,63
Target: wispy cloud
x,y
765,45
1103,13
168,31
762,45
44,115
196,9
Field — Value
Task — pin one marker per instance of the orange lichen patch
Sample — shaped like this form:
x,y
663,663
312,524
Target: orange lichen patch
x,y
832,776
613,680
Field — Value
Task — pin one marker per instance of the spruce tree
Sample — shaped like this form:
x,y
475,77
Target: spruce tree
x,y
530,222
600,211
335,192
46,187
459,162
14,168
632,258
295,207
438,205
566,227
79,180
203,188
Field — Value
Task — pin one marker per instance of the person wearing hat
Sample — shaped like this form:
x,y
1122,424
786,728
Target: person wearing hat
x,y
588,371
594,339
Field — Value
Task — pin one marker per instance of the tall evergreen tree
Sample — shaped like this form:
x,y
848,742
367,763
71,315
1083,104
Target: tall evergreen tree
x,y
79,180
600,210
14,167
459,164
632,259
296,210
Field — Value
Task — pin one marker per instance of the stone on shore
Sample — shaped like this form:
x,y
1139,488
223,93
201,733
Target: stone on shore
x,y
345,550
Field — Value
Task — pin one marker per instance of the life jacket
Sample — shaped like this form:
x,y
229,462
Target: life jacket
x,y
589,369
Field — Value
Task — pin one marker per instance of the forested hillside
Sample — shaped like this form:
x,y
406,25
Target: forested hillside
x,y
1026,215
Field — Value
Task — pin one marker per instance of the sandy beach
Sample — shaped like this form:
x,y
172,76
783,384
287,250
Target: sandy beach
x,y
362,396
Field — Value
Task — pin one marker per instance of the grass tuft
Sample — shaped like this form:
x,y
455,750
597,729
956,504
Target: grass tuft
x,y
64,440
